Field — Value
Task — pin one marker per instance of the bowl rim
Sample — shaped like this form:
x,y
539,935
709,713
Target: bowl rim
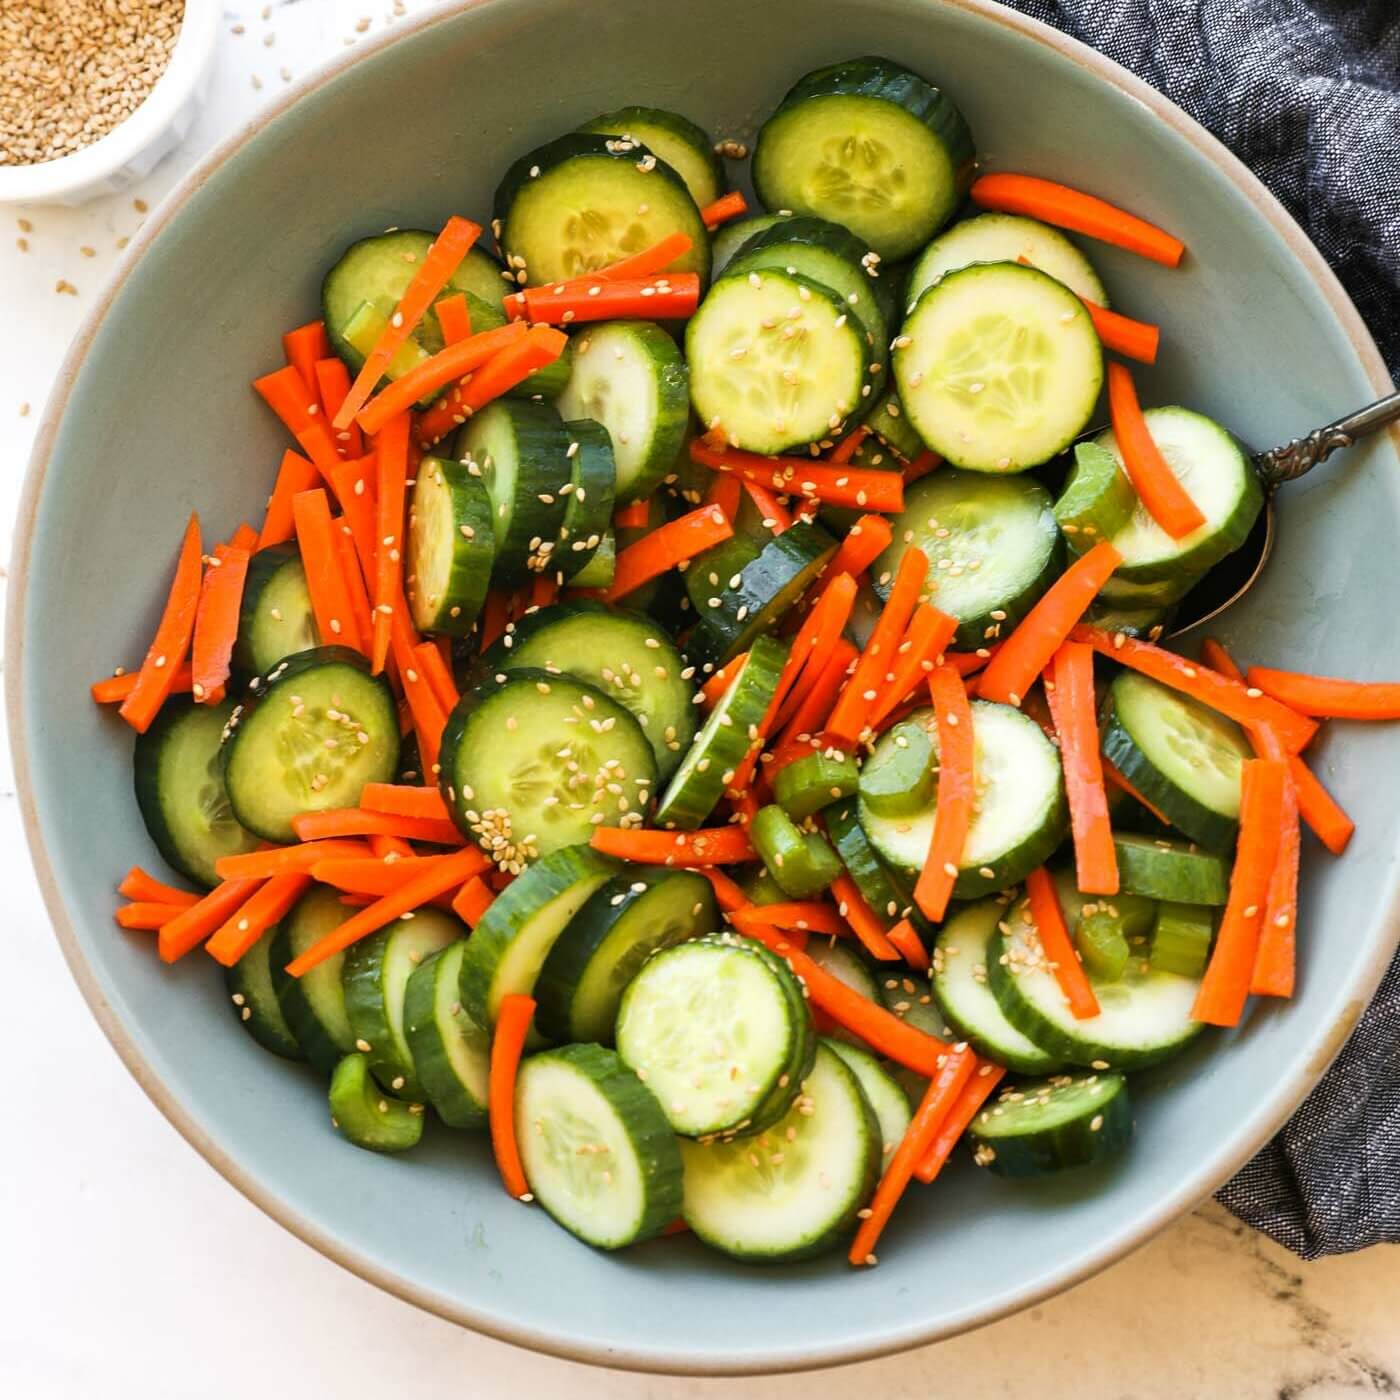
x,y
1268,1116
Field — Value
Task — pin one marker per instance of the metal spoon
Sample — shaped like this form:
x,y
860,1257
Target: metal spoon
x,y
1234,576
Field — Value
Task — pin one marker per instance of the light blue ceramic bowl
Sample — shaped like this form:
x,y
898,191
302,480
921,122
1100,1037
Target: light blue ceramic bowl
x,y
153,418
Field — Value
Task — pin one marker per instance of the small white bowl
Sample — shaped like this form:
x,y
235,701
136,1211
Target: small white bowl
x,y
129,151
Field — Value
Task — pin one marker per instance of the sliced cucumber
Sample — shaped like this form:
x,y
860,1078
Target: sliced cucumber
x,y
1170,870
249,986
630,377
314,1003
718,1029
776,361
814,781
870,145
508,947
1133,620
910,997
965,999
1185,759
1097,500
451,547
793,1191
1048,1125
723,742
639,912
484,277
1161,594
674,139
1101,942
597,1152
903,779
801,862
375,975
992,544
320,729
1019,816
889,422
881,888
1181,939
843,963
451,1053
275,618
180,789
1006,238
999,367
733,236
585,201
1215,472
366,1115
759,885
882,1092
601,568
589,510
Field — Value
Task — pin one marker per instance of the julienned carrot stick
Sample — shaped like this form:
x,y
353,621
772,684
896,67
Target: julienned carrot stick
x,y
666,296
1225,986
1070,692
1112,775
353,573
251,920
355,485
1049,921
674,543
145,915
303,347
719,845
865,541
244,538
810,700
390,847
439,677
905,937
1328,697
1244,705
1063,207
355,821
968,663
726,207
866,923
429,717
447,874
472,901
287,394
940,1096
216,623
286,860
190,927
495,616
391,477
724,494
333,384
367,875
295,475
771,511
974,1094
167,652
459,359
1039,635
860,488
142,888
846,448
325,578
507,1046
1137,340
1164,497
929,634
728,895
401,800
454,318
1276,959
713,690
439,263
800,915
634,515
654,259
316,441
927,461
957,792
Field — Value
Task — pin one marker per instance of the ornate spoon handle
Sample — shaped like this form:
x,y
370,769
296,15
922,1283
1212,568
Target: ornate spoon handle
x,y
1295,458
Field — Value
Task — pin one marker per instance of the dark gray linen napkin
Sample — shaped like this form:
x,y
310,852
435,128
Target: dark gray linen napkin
x,y
1307,93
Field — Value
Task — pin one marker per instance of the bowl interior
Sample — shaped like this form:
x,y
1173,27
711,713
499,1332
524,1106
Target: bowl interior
x,y
159,420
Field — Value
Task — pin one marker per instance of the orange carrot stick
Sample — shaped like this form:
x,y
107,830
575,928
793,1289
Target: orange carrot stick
x,y
325,579
719,845
1160,491
799,915
190,927
726,207
635,514
438,675
356,821
811,698
507,1046
472,901
142,888
355,483
1276,959
929,634
865,541
391,476
728,895
668,296
927,461
674,543
288,395
342,532
303,347
216,624
1049,921
295,475
1327,696
974,1094
146,915
957,792
714,689
454,318
368,875
286,860
771,510
905,937
401,800
1138,340
429,718
654,259
333,384
846,448
856,487
865,922
254,917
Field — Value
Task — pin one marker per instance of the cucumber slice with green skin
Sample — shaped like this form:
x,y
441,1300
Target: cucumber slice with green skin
x,y
451,547
814,781
520,450
1144,1016
451,1053
732,616
964,998
731,237
903,779
1050,1125
588,511
724,739
868,144
314,1003
585,201
1019,818
1123,593
627,656
597,1151
529,762
484,277
794,1191
275,618
1101,943
884,891
249,986
889,422
846,965
776,361
882,1092
631,377
375,975
300,745
367,1116
180,789
1185,759
639,912
999,367
672,138
1181,939
1215,472
800,861
1170,870
508,947
1097,500
720,1033
601,568
992,544
1146,623
1135,912
759,885
996,238
910,997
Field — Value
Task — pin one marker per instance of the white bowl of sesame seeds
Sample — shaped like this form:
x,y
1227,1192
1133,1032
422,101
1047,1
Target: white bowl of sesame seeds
x,y
93,96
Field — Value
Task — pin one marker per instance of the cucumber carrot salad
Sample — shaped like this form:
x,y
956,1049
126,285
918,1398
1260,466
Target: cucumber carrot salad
x,y
695,707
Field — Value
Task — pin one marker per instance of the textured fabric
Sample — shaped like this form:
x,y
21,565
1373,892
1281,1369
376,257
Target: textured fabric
x,y
1307,93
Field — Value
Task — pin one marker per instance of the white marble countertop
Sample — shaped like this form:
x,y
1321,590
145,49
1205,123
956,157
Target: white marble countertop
x,y
130,1269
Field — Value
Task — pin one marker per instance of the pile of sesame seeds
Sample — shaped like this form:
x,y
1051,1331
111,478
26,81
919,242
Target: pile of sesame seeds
x,y
71,71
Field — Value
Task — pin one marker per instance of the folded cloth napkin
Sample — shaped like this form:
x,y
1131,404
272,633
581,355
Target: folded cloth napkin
x,y
1307,93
